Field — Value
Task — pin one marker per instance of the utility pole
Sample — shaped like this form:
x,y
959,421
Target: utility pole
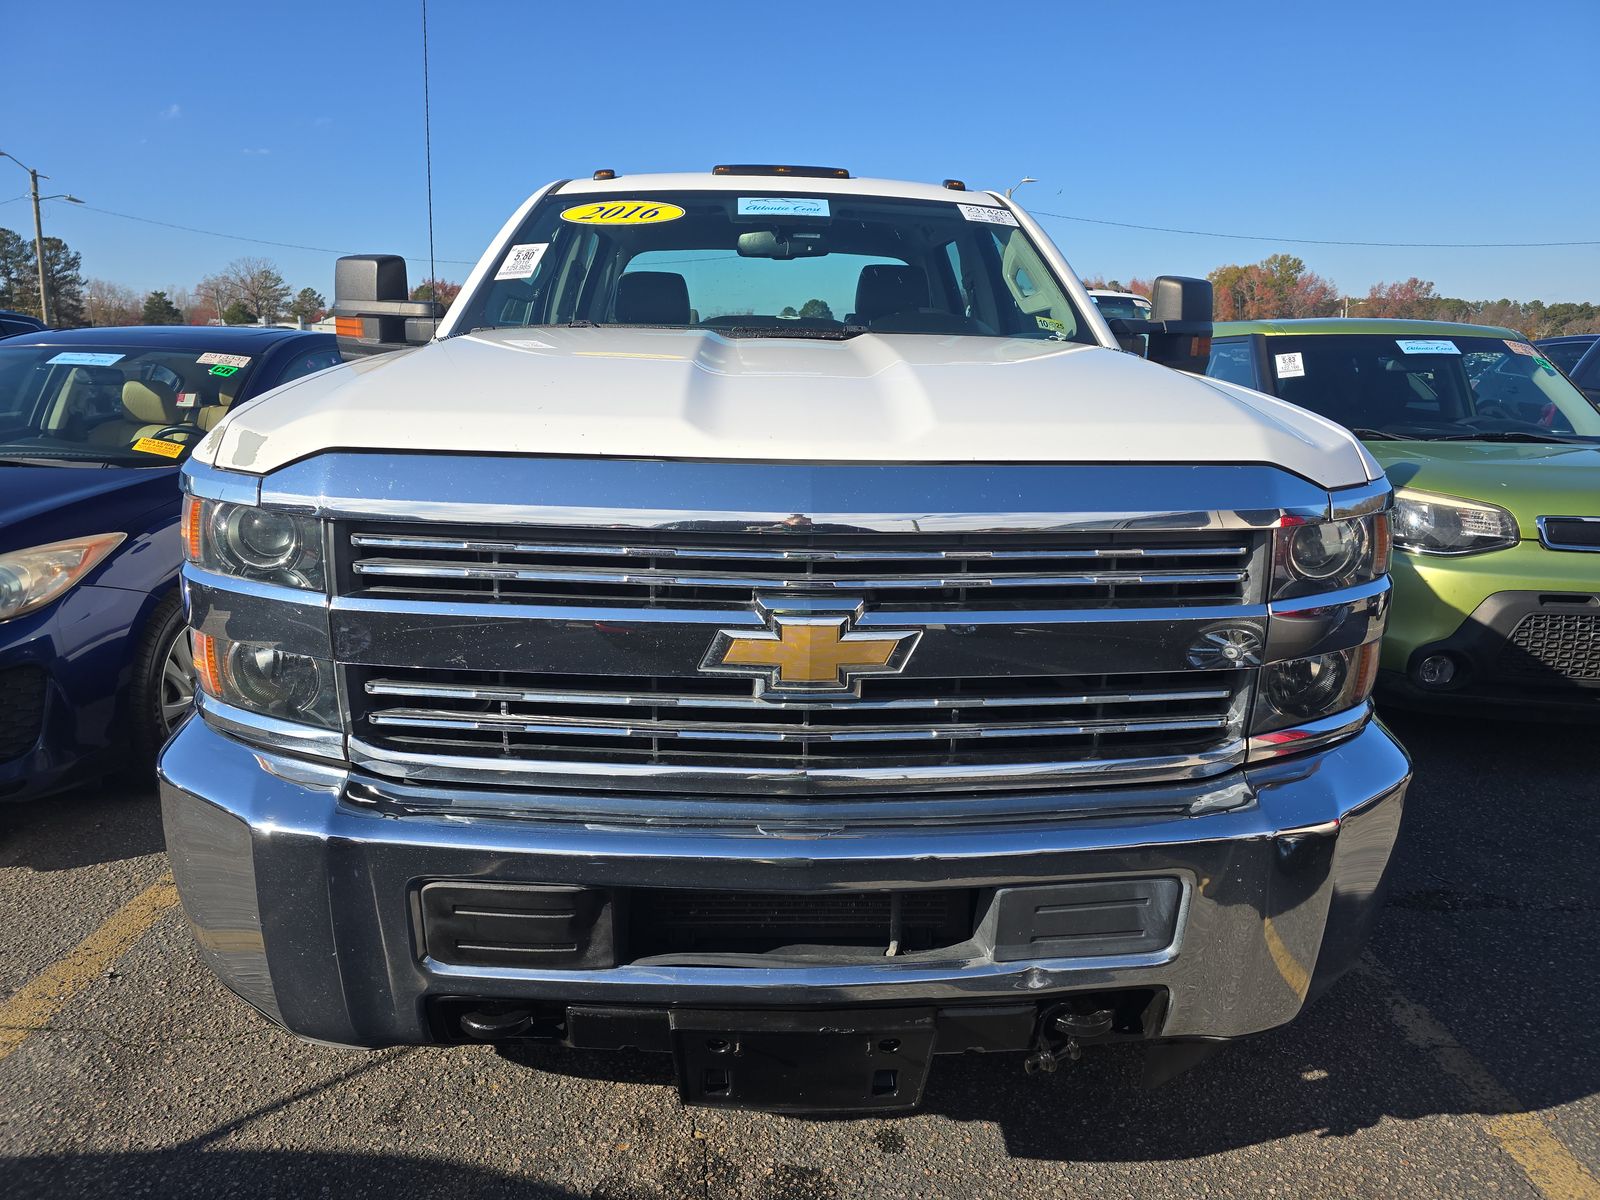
x,y
38,230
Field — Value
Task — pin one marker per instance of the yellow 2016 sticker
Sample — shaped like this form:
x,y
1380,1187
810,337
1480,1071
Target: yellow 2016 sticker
x,y
157,446
622,212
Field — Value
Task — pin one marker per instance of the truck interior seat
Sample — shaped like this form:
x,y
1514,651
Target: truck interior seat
x,y
885,288
652,298
146,407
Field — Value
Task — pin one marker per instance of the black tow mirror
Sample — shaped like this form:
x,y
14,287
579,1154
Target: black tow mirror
x,y
373,312
1179,328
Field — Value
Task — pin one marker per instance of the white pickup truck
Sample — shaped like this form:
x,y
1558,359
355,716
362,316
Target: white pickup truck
x,y
770,621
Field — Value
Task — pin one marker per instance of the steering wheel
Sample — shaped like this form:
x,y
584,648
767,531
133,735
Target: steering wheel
x,y
183,433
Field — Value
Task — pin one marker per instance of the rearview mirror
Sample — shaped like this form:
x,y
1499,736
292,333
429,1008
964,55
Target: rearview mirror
x,y
373,312
768,243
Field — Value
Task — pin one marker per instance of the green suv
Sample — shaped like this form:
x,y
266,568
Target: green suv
x,y
1495,460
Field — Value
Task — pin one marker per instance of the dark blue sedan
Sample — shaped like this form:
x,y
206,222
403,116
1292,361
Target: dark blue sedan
x,y
94,667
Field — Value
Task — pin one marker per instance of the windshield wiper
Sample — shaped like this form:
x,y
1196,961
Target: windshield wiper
x,y
1515,435
1365,434
843,333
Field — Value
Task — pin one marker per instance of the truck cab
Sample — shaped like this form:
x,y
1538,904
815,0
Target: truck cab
x,y
770,621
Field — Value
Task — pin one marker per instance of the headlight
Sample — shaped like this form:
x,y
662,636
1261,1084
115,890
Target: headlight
x,y
253,543
1323,556
1304,689
30,579
1426,524
266,680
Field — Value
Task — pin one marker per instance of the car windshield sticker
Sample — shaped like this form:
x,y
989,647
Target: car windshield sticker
x,y
1549,367
188,399
1290,366
522,261
224,370
622,212
229,360
157,446
987,213
783,206
83,358
1522,348
1426,346
1050,323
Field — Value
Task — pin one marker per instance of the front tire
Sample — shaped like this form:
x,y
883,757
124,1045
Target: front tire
x,y
163,683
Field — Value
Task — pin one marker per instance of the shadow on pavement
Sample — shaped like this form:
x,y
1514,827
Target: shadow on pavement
x,y
96,823
263,1174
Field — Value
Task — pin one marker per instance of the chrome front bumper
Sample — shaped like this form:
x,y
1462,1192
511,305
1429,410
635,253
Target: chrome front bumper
x,y
304,903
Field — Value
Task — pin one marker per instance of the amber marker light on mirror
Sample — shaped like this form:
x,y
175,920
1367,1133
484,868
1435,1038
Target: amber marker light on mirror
x,y
347,327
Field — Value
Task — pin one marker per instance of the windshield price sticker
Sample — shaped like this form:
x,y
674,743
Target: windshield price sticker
x,y
622,212
783,206
157,446
522,261
987,214
211,358
1426,346
1521,348
83,358
1290,366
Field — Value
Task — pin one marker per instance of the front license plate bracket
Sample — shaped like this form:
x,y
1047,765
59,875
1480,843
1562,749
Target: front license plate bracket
x,y
862,1060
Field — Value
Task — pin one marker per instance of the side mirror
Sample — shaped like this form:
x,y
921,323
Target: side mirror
x,y
1181,311
373,312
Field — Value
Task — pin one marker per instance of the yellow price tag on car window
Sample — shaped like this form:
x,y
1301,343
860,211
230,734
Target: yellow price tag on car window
x,y
158,446
622,212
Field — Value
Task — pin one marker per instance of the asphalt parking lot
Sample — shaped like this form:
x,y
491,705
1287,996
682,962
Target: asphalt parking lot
x,y
1462,1059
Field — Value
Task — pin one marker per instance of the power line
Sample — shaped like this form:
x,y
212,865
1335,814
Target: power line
x,y
1261,237
239,237
427,147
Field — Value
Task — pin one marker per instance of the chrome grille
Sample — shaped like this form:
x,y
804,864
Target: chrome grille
x,y
923,573
716,725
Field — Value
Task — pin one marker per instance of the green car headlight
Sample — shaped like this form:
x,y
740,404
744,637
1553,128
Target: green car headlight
x,y
1429,524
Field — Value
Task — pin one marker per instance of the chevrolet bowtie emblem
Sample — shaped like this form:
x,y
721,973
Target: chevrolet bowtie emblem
x,y
810,649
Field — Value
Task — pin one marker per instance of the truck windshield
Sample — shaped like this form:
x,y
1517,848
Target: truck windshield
x,y
1430,388
111,405
750,264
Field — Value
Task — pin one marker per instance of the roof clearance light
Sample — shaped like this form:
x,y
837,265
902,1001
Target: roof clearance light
x,y
605,173
955,185
773,169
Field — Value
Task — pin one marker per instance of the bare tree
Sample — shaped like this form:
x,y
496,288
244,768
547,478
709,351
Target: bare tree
x,y
107,303
258,286
213,294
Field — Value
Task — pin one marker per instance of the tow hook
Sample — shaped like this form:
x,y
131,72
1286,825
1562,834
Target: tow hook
x,y
1061,1036
491,1026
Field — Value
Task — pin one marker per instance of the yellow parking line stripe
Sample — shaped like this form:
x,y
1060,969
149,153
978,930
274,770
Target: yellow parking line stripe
x,y
1553,1169
47,993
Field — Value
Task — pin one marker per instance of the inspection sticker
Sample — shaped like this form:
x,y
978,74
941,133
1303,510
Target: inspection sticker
x,y
83,358
1426,346
522,261
157,446
229,360
1290,366
188,399
1050,323
987,213
223,370
1521,348
783,206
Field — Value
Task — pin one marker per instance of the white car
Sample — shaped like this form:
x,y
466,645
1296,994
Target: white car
x,y
1128,306
769,622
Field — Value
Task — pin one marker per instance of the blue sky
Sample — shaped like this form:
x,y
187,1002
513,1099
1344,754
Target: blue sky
x,y
1395,122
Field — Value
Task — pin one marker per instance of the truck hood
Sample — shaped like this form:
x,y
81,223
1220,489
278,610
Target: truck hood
x,y
1531,481
693,394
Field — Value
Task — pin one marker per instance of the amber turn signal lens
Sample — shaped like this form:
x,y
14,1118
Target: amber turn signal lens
x,y
205,663
190,528
347,327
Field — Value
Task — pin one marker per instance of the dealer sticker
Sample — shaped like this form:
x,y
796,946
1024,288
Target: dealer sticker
x,y
522,261
1521,348
83,358
988,214
622,212
1290,366
783,206
1426,346
158,446
1050,323
188,399
211,358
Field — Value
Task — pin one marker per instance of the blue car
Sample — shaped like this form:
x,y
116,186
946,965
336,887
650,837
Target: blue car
x,y
94,668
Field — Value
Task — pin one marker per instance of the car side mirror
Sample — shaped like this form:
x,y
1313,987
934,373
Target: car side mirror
x,y
1179,328
373,312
